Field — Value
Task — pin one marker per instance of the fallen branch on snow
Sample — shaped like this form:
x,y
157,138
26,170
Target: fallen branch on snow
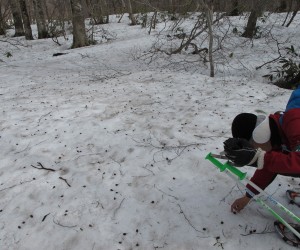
x,y
42,167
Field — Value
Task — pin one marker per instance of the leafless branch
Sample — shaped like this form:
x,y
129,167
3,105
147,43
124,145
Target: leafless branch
x,y
40,166
117,209
59,224
278,51
176,198
21,183
65,180
189,222
44,218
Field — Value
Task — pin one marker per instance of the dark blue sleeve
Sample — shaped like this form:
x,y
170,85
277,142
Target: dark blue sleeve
x,y
294,101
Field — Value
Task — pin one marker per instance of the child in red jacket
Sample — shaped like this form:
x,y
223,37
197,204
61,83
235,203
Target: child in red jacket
x,y
271,144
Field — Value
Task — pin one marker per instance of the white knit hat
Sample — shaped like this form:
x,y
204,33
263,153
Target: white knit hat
x,y
262,132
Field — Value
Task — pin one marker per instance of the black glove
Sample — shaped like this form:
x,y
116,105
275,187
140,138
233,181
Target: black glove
x,y
241,152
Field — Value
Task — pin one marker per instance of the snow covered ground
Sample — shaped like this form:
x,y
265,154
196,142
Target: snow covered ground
x,y
100,151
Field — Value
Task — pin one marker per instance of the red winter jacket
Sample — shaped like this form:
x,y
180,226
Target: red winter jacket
x,y
277,161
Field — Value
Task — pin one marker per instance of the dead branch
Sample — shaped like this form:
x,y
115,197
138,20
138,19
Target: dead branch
x,y
40,166
117,209
44,218
189,222
21,183
43,117
59,224
65,180
13,42
176,198
277,58
194,34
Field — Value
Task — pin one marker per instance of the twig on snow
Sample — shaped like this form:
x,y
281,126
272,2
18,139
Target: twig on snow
x,y
44,218
43,117
65,180
189,222
59,224
117,209
166,193
21,183
229,193
42,167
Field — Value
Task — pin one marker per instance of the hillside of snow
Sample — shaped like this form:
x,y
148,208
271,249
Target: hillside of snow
x,y
101,149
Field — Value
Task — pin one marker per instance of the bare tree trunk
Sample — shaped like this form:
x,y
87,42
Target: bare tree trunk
x,y
292,18
257,9
26,20
16,13
99,12
209,16
40,19
114,7
47,13
251,25
123,10
106,11
211,40
171,6
288,12
131,15
234,10
79,34
282,6
89,7
297,8
2,23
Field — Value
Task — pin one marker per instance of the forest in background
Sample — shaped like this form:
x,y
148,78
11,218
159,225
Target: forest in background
x,y
55,18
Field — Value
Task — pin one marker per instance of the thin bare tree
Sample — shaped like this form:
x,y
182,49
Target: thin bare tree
x,y
296,9
208,6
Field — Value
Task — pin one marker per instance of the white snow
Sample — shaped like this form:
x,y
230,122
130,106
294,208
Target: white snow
x,y
126,142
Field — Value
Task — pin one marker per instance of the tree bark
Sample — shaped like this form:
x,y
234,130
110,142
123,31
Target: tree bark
x,y
2,23
251,25
17,17
106,11
99,12
40,19
89,7
131,15
114,7
297,7
282,6
209,17
292,18
171,7
234,10
79,34
257,10
26,20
